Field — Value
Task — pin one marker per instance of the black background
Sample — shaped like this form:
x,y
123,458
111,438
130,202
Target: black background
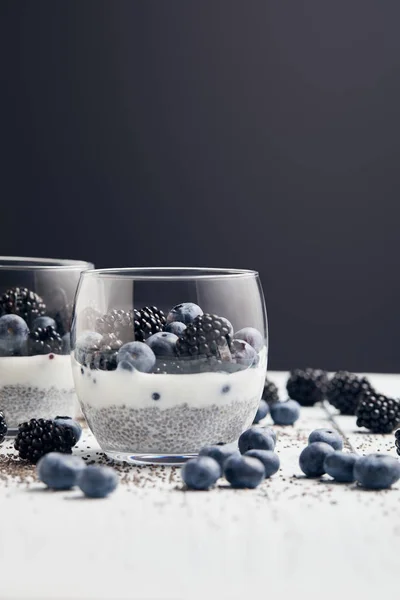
x,y
225,133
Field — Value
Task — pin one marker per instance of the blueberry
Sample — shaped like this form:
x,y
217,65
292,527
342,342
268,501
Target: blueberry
x,y
244,471
262,411
340,466
125,365
73,425
285,413
175,327
200,473
59,471
88,339
252,336
66,343
85,342
43,322
97,482
185,313
163,343
269,459
312,458
329,436
271,432
219,453
139,355
13,335
377,471
243,353
255,438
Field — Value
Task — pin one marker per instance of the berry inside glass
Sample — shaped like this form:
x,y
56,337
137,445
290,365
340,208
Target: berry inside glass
x,y
36,299
166,361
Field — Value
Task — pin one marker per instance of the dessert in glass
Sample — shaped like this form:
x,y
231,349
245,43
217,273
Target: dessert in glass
x,y
167,360
36,300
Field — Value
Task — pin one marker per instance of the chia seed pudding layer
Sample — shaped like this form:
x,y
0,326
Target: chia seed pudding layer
x,y
20,403
36,387
179,430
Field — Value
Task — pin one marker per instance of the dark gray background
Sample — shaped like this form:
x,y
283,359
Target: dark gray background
x,y
245,134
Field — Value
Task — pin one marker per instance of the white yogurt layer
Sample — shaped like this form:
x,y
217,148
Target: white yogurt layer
x,y
37,371
102,389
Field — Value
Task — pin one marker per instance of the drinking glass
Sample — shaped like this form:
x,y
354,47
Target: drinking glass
x,y
167,360
36,301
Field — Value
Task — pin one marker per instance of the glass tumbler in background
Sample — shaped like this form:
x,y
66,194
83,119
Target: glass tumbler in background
x,y
167,360
36,301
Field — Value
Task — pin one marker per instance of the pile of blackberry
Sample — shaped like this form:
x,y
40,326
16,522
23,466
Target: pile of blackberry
x,y
345,390
270,392
22,302
39,437
45,341
378,413
307,386
208,335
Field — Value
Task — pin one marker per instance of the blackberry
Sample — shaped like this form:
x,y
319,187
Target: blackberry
x,y
3,428
39,437
345,390
307,386
270,393
397,440
45,341
147,321
378,413
118,322
208,335
158,314
22,302
88,317
104,356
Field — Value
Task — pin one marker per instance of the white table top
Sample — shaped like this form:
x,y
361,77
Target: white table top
x,y
151,540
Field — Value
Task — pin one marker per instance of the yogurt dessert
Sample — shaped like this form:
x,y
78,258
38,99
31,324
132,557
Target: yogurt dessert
x,y
150,384
36,385
35,373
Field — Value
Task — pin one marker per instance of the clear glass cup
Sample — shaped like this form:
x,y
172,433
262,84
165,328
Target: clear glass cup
x,y
157,384
36,301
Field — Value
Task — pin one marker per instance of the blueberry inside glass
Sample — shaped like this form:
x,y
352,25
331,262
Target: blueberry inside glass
x,y
166,361
36,298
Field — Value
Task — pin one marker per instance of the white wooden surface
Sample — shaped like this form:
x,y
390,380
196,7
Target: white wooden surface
x,y
290,538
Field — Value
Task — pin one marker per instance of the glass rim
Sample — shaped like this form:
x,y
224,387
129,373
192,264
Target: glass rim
x,y
170,273
28,263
